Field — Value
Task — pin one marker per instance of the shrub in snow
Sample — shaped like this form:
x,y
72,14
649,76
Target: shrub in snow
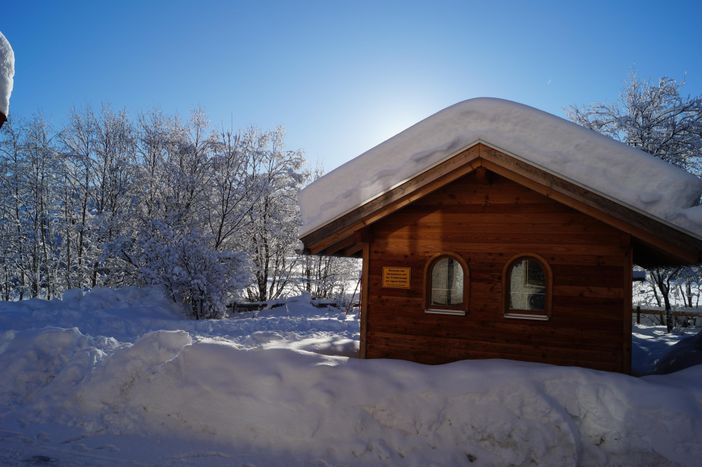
x,y
192,272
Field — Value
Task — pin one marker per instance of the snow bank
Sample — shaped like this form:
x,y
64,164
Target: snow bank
x,y
617,171
7,72
43,369
128,313
651,343
270,388
686,353
286,407
124,314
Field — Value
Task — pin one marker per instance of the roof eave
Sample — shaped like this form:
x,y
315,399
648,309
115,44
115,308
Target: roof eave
x,y
679,245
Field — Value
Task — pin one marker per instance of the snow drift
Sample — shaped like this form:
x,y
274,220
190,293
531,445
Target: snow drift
x,y
290,407
617,171
7,73
249,390
684,354
128,313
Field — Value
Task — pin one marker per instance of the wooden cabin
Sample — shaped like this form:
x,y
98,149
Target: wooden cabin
x,y
479,251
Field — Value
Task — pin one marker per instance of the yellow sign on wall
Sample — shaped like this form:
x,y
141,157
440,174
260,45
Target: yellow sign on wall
x,y
396,277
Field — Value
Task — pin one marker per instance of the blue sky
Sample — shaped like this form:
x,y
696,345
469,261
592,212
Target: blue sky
x,y
341,77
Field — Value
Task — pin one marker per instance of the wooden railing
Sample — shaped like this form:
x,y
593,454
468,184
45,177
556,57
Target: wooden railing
x,y
690,313
257,306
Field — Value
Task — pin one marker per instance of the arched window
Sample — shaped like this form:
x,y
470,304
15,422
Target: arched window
x,y
446,285
527,286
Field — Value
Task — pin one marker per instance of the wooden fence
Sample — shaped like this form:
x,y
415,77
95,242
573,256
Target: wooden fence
x,y
257,306
694,315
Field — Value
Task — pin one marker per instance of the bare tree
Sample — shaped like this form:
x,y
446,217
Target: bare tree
x,y
78,145
688,285
655,118
233,187
274,218
12,194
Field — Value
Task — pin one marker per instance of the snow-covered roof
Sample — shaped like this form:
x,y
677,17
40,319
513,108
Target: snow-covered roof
x,y
7,72
624,174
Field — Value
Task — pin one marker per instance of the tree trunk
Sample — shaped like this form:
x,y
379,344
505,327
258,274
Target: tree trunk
x,y
668,314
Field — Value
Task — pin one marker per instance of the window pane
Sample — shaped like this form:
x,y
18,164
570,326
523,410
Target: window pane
x,y
447,282
527,286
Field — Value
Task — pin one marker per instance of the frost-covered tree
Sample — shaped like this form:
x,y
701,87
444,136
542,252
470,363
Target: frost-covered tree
x,y
78,143
329,276
663,281
41,209
653,117
181,261
14,245
98,177
689,286
658,119
168,245
108,201
234,188
274,219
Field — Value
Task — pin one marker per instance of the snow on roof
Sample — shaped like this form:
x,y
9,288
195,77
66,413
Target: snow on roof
x,y
7,71
613,169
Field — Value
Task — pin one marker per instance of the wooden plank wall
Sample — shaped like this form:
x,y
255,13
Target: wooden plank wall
x,y
487,219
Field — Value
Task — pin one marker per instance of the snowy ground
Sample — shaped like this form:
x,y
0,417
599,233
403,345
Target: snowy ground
x,y
118,378
650,343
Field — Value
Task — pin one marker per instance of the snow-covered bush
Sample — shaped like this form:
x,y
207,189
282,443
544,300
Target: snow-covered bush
x,y
192,272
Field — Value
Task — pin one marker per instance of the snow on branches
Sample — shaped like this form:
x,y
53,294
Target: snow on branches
x,y
108,201
653,117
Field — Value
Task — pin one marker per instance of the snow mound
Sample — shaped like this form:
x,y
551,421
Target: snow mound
x,y
286,407
121,313
651,343
615,170
684,354
43,368
7,73
276,387
128,313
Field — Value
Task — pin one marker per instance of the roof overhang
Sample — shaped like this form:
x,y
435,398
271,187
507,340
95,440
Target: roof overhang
x,y
656,242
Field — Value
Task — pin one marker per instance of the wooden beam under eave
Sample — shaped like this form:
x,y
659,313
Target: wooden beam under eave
x,y
354,251
648,256
350,246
